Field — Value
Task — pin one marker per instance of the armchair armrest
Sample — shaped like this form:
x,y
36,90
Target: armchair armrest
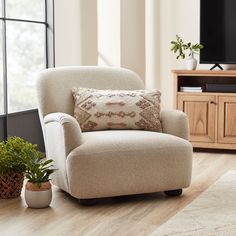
x,y
64,128
175,122
62,135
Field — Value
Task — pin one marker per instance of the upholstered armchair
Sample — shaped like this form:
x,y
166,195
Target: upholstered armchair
x,y
109,163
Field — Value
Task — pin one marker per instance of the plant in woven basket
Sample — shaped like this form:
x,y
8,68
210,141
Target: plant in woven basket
x,y
13,153
38,192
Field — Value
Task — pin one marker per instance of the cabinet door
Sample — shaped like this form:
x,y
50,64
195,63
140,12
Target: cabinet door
x,y
227,119
201,111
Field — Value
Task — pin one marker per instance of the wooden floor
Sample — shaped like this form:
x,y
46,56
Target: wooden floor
x,y
133,215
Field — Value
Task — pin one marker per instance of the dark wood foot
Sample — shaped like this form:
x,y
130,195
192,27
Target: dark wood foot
x,y
174,193
88,202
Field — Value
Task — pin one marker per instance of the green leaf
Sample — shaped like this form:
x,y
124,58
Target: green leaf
x,y
47,162
180,47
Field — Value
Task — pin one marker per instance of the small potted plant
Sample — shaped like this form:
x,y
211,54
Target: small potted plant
x,y
12,166
180,47
38,191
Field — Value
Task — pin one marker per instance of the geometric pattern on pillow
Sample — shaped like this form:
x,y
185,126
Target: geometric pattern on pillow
x,y
117,109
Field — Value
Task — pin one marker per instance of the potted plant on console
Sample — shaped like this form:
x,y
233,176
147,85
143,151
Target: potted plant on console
x,y
178,46
12,166
38,191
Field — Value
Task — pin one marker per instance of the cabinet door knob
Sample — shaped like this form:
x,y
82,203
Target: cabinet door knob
x,y
212,102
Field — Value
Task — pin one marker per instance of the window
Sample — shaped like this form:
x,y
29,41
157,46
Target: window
x,y
26,9
24,38
26,47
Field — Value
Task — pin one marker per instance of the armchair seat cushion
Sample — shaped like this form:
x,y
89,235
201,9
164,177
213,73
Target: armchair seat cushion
x,y
122,162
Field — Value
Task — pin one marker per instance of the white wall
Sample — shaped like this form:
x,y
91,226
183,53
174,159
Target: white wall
x,y
152,43
121,34
180,17
135,34
88,32
67,32
108,32
75,32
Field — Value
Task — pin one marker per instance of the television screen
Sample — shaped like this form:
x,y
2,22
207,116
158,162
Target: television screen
x,y
218,31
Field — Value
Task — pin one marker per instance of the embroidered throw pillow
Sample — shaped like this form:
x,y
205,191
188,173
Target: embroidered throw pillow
x,y
117,109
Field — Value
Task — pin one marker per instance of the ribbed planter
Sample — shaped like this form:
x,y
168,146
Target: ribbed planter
x,y
11,185
38,197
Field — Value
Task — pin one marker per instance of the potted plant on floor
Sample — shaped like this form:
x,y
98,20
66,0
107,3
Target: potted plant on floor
x,y
38,191
178,46
12,166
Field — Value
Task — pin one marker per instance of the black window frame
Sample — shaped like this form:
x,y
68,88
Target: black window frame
x,y
7,129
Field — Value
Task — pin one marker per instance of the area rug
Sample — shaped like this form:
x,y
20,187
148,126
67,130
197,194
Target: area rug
x,y
213,213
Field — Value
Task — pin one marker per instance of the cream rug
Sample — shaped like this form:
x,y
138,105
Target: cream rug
x,y
213,213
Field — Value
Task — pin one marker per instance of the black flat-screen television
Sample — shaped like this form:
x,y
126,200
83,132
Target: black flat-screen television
x,y
218,31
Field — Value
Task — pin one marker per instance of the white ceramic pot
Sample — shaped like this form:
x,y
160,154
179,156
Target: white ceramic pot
x,y
191,62
38,197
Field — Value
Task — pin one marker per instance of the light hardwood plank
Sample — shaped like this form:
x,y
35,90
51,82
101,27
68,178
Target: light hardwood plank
x,y
132,215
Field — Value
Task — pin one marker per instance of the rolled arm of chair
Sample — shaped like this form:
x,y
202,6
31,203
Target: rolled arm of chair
x,y
62,129
175,122
62,135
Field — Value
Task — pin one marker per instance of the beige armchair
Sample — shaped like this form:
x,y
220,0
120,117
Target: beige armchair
x,y
112,162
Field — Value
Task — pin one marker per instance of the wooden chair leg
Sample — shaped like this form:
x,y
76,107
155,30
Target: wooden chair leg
x,y
174,193
88,202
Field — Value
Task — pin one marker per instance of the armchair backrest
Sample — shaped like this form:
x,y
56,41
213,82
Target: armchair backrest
x,y
54,85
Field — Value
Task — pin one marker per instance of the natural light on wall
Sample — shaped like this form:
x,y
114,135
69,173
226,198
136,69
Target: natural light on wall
x,y
25,52
108,32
